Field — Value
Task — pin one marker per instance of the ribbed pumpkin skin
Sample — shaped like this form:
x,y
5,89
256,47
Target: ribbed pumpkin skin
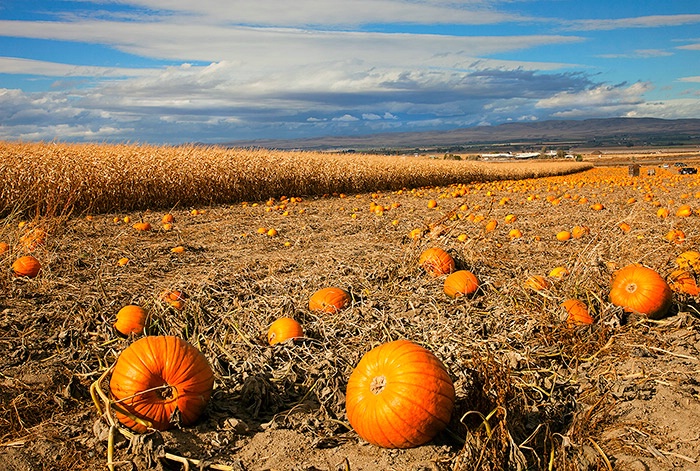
x,y
436,261
151,362
460,283
26,266
415,403
283,329
642,290
130,319
329,300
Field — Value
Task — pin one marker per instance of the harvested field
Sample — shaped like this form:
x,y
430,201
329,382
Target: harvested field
x,y
531,391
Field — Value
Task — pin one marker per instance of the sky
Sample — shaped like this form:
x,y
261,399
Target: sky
x,y
176,71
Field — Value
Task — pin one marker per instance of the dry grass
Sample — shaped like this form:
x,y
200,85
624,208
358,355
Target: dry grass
x,y
531,392
54,179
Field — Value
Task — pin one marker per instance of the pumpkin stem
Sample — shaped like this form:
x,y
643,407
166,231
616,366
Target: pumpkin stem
x,y
165,392
378,384
631,288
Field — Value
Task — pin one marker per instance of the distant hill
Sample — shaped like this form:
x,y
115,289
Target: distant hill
x,y
584,133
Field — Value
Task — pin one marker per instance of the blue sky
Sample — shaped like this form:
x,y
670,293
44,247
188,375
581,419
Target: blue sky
x,y
173,71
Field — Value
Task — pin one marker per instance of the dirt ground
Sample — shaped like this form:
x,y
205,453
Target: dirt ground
x,y
531,393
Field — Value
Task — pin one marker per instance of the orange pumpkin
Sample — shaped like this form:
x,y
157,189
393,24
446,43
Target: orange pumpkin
x,y
491,225
563,236
282,329
576,313
157,376
558,272
174,298
460,283
642,290
26,266
142,226
436,261
689,260
399,395
624,227
130,319
684,211
168,219
4,247
33,239
579,231
329,300
537,283
681,281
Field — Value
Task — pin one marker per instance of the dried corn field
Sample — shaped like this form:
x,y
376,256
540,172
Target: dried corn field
x,y
55,179
532,391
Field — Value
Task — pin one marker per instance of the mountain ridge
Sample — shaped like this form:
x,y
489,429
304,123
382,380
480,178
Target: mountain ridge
x,y
588,132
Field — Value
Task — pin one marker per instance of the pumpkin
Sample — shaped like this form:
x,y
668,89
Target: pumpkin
x,y
624,227
579,231
563,236
689,260
515,234
157,376
4,247
491,225
130,319
558,272
537,283
436,261
168,219
675,235
684,211
142,226
283,329
681,281
642,290
329,300
174,298
662,213
459,283
399,395
33,239
576,313
26,266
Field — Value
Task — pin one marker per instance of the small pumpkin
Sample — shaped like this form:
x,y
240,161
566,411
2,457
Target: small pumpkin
x,y
461,283
682,281
576,313
168,219
157,376
684,211
563,236
26,266
329,300
142,226
640,289
282,329
436,261
491,225
537,283
399,395
558,272
174,298
33,239
624,227
130,319
579,231
4,247
689,260
515,234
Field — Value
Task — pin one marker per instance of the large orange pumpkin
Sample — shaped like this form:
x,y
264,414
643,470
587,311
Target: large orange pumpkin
x,y
157,376
399,395
26,266
282,329
436,261
459,283
642,290
329,300
130,319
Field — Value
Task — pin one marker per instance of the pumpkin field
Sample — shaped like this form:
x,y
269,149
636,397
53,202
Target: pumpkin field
x,y
178,308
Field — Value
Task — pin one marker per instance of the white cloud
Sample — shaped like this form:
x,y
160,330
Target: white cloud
x,y
14,65
638,54
690,47
330,12
695,79
346,118
651,21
